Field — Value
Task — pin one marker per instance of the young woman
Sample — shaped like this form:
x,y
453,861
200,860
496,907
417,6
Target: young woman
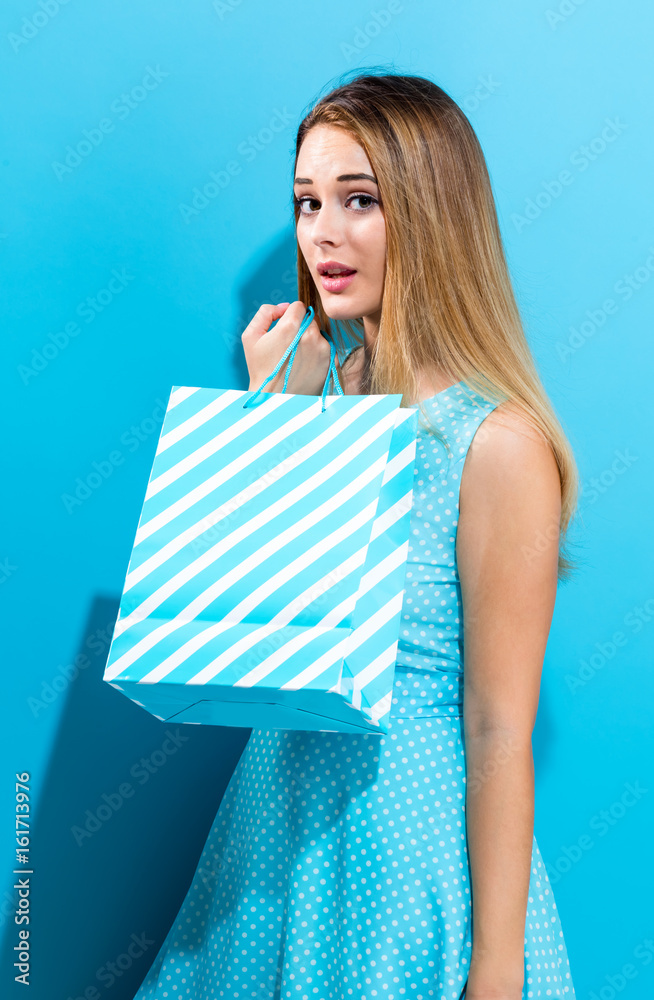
x,y
353,865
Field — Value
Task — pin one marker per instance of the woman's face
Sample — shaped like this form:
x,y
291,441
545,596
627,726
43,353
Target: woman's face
x,y
341,221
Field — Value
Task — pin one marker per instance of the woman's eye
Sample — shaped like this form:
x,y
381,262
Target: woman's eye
x,y
368,200
300,202
363,197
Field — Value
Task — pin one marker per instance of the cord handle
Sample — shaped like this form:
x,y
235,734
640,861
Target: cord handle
x,y
291,350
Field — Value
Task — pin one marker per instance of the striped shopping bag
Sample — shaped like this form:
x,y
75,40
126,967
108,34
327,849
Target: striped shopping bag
x,y
266,579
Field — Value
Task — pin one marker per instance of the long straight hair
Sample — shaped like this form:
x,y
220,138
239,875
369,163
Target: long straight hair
x,y
448,302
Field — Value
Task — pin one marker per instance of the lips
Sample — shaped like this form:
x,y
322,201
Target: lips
x,y
337,282
335,275
334,269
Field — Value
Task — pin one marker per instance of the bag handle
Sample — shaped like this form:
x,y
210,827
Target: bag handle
x,y
291,349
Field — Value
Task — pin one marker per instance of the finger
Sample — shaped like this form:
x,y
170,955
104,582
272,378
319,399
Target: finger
x,y
264,317
289,328
312,331
290,322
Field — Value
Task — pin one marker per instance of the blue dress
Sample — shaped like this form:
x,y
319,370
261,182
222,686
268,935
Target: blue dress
x,y
337,865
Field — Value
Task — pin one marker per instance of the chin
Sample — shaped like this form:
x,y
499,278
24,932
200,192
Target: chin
x,y
341,314
343,310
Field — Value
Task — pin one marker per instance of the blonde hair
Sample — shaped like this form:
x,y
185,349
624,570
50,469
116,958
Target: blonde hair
x,y
448,302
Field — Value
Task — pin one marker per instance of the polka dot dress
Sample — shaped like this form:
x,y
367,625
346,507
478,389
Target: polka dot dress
x,y
337,866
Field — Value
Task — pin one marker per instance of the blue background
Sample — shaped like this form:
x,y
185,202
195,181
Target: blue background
x,y
113,291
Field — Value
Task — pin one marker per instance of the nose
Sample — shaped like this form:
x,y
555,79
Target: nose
x,y
328,225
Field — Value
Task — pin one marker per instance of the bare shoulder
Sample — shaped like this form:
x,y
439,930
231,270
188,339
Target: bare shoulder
x,y
509,507
509,463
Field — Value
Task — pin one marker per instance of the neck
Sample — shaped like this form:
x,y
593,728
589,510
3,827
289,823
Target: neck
x,y
370,332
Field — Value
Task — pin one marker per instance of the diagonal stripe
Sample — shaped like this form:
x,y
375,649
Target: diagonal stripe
x,y
328,622
269,586
346,645
369,673
388,517
380,524
258,520
238,572
286,615
282,618
380,708
249,418
209,595
402,414
178,395
401,460
223,475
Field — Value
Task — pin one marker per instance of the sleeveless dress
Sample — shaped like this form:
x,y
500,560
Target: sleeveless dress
x,y
337,866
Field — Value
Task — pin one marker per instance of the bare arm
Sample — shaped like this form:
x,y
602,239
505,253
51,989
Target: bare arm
x,y
510,498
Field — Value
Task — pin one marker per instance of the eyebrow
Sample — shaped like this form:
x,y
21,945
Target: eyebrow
x,y
341,177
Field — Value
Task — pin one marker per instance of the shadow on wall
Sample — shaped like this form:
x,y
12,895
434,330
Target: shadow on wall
x,y
273,281
126,807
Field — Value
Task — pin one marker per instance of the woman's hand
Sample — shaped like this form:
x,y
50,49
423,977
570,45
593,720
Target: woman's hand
x,y
264,347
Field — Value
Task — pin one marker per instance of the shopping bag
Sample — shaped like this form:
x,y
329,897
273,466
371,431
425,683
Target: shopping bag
x,y
266,580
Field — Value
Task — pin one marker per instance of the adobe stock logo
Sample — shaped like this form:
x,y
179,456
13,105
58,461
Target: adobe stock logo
x,y
581,159
601,823
88,309
247,150
31,25
104,468
121,107
563,12
379,20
